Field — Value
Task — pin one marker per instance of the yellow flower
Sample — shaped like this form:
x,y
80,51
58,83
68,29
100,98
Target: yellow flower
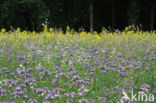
x,y
51,30
3,30
18,29
44,81
45,28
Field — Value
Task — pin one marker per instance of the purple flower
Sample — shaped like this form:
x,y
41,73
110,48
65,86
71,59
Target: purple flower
x,y
29,69
113,80
154,92
56,68
2,92
73,94
86,90
57,95
23,85
123,69
25,96
69,100
67,94
113,69
123,73
103,100
32,101
107,94
45,89
9,81
80,93
13,74
49,95
26,74
40,68
45,102
24,62
55,90
84,101
54,81
38,90
141,92
41,53
5,70
71,68
120,55
147,68
145,87
29,80
61,74
118,90
19,94
45,72
18,88
19,71
103,71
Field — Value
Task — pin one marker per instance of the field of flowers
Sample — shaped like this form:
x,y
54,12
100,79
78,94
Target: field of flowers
x,y
76,67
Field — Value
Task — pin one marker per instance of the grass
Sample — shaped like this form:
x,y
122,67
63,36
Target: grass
x,y
76,67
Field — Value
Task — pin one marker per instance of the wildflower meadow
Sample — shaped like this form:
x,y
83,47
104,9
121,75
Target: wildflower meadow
x,y
53,66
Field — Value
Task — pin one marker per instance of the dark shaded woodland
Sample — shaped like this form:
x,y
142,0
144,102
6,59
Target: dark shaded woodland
x,y
88,14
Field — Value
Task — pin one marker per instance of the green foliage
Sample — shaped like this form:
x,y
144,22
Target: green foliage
x,y
133,12
27,14
31,14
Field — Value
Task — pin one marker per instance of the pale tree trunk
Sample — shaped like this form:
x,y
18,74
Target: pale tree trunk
x,y
91,16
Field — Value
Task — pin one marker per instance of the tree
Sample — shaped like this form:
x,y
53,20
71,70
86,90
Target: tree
x,y
113,13
91,16
133,12
26,14
152,14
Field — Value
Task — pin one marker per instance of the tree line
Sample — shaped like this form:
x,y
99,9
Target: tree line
x,y
87,14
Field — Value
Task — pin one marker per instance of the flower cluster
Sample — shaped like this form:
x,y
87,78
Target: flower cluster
x,y
75,67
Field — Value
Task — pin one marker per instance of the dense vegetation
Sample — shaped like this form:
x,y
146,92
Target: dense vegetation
x,y
42,60
94,14
51,67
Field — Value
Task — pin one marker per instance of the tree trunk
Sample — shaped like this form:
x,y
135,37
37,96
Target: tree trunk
x,y
91,17
70,10
27,21
152,18
113,13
